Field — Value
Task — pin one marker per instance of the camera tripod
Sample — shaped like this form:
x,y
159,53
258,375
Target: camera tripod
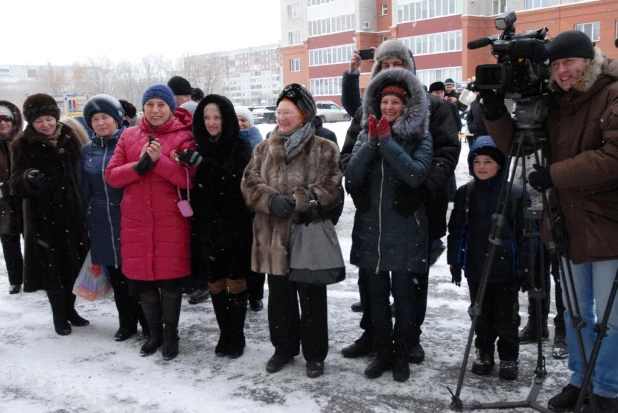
x,y
529,141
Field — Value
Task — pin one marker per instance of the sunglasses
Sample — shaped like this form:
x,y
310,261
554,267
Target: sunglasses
x,y
6,119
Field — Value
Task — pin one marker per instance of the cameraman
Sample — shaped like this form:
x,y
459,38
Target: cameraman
x,y
582,130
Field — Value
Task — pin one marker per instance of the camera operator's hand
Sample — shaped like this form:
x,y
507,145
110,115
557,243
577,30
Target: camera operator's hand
x,y
282,205
493,103
456,275
523,277
540,178
354,62
36,178
373,131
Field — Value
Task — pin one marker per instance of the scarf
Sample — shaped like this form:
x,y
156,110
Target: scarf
x,y
295,137
53,138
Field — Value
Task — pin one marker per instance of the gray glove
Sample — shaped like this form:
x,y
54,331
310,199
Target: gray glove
x,y
36,178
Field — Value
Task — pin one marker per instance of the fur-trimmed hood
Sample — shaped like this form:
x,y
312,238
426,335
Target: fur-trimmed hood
x,y
19,121
77,127
392,49
598,67
413,124
230,129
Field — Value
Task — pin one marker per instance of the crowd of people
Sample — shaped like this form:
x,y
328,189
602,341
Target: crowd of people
x,y
121,193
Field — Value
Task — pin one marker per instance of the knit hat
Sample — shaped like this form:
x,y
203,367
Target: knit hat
x,y
395,90
103,103
245,113
129,109
198,94
5,111
392,49
449,81
572,43
160,91
436,87
301,97
180,86
484,145
38,105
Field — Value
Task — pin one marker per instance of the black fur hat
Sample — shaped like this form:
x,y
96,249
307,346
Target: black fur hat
x,y
38,105
180,86
572,43
301,97
436,87
129,108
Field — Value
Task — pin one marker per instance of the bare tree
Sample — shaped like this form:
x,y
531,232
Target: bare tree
x,y
54,79
206,72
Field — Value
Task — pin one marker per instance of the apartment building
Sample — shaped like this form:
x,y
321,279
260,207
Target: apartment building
x,y
318,36
18,73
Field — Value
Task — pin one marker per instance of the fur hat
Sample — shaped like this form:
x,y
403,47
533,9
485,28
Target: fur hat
x,y
572,43
198,94
6,111
129,109
160,91
449,81
301,97
245,113
392,49
180,86
38,105
436,87
103,103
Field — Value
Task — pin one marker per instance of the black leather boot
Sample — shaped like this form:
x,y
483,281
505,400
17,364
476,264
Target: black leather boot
x,y
170,303
238,312
151,304
75,319
383,362
401,368
222,305
59,312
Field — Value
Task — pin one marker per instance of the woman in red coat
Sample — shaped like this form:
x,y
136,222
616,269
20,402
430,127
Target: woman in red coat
x,y
154,236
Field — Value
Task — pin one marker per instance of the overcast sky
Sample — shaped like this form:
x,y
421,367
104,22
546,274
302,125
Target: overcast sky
x,y
62,32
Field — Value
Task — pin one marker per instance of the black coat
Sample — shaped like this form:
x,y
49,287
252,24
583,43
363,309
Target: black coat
x,y
10,205
476,124
55,236
221,222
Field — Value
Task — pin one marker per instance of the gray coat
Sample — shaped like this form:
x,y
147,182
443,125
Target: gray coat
x,y
381,238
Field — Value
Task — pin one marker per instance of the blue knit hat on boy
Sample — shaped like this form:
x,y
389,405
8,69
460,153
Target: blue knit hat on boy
x,y
484,145
160,91
103,103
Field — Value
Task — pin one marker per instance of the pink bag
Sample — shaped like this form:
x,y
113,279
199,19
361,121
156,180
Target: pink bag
x,y
184,205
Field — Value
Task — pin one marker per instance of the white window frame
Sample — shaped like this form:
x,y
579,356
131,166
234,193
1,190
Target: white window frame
x,y
592,29
293,11
294,38
295,65
384,9
535,4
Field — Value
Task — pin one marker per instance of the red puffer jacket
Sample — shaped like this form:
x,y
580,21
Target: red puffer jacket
x,y
154,236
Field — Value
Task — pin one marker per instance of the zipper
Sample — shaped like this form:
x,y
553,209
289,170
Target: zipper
x,y
380,216
109,215
416,218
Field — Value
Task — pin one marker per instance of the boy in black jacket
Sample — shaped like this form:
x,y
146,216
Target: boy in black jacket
x,y
469,228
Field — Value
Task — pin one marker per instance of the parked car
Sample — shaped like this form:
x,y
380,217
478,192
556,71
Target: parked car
x,y
331,112
263,115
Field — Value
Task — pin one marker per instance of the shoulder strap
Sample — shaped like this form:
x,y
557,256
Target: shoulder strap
x,y
188,190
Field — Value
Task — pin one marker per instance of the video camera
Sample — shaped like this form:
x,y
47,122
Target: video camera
x,y
521,69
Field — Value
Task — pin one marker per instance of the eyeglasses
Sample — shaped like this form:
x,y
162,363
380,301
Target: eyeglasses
x,y
6,119
284,114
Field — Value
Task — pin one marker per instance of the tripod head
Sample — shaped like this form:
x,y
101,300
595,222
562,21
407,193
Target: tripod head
x,y
529,117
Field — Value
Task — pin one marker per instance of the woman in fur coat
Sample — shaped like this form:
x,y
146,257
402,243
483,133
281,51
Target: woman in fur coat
x,y
393,151
286,171
45,173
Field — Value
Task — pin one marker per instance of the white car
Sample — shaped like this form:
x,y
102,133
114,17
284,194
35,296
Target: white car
x,y
331,112
263,115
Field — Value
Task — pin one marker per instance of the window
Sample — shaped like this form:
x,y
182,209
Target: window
x,y
593,30
328,86
293,11
332,25
434,43
426,9
294,38
295,65
384,9
384,38
427,77
331,55
535,4
498,6
318,2
616,36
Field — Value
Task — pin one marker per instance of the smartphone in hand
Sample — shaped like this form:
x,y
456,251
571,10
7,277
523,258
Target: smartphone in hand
x,y
366,54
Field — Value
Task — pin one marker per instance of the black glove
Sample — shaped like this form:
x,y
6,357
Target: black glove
x,y
523,277
456,275
540,178
282,205
143,165
190,157
361,199
36,178
407,200
493,103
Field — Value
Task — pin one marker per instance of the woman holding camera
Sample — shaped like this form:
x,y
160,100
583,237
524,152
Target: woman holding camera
x,y
154,235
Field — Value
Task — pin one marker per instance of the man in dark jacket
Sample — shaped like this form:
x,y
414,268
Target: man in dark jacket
x,y
582,130
438,89
433,192
476,124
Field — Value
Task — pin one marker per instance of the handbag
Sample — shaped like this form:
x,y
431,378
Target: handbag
x,y
91,283
184,205
315,253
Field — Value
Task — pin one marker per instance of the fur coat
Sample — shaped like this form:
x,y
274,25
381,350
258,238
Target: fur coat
x,y
10,205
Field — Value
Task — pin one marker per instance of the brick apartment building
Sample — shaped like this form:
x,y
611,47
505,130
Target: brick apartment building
x,y
318,36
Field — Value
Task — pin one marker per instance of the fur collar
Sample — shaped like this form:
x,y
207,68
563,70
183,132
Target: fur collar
x,y
276,145
413,124
586,79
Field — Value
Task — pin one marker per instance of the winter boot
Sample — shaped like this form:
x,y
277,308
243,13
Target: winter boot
x,y
417,354
238,311
382,362
357,307
138,312
361,347
59,312
170,304
401,368
128,322
528,333
565,401
560,349
603,405
75,319
509,369
484,363
151,304
199,296
221,304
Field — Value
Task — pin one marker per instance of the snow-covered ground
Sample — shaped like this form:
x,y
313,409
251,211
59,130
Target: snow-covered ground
x,y
88,371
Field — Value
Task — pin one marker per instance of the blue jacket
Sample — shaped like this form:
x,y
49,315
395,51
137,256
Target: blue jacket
x,y
468,237
101,201
255,136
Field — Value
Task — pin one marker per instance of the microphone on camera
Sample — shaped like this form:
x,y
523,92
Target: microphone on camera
x,y
478,43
